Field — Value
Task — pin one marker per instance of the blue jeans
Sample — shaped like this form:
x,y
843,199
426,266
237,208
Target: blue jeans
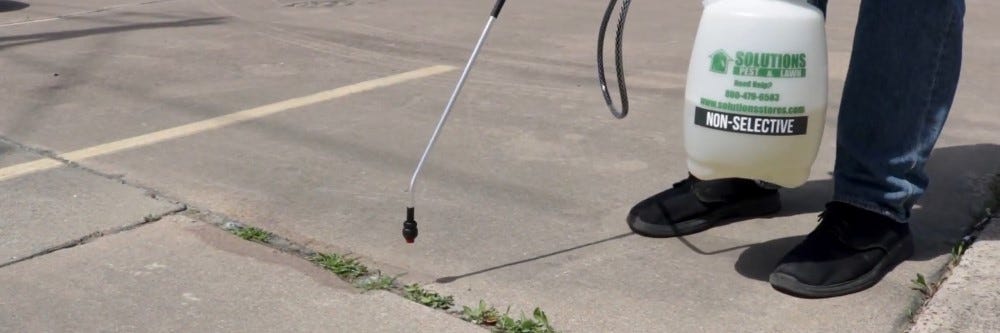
x,y
900,86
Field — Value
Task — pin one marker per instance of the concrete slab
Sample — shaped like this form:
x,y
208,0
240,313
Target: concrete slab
x,y
53,209
524,199
11,155
178,275
969,300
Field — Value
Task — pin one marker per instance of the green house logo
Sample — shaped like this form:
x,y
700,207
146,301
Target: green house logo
x,y
720,62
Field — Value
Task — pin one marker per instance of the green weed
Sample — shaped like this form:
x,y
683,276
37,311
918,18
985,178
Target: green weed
x,y
347,268
254,234
429,298
482,314
956,253
538,324
920,284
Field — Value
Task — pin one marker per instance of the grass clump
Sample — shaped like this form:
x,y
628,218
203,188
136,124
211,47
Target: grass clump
x,y
482,314
254,234
345,267
428,298
539,323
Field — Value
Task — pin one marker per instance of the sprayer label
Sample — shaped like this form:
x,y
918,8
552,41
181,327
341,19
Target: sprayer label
x,y
778,65
760,64
776,126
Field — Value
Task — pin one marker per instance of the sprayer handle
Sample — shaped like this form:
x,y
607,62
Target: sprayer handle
x,y
497,8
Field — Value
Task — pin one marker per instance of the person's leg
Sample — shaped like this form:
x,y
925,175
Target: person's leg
x,y
901,82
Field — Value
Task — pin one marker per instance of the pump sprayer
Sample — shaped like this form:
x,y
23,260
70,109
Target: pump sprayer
x,y
755,99
756,93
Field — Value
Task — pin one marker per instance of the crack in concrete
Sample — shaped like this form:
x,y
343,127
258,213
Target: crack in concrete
x,y
208,216
230,225
922,302
94,236
150,192
44,153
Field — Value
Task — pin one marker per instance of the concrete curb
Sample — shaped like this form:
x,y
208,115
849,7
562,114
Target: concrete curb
x,y
969,300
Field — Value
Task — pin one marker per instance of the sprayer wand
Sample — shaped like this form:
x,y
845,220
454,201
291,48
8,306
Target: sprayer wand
x,y
410,225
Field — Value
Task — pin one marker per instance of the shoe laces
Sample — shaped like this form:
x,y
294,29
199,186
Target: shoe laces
x,y
832,221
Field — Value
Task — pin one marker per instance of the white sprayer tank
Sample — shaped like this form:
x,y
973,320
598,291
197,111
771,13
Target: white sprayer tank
x,y
755,105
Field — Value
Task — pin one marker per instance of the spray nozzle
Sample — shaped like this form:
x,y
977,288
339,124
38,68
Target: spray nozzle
x,y
410,227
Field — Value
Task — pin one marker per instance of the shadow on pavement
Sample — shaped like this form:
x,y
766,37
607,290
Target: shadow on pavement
x,y
10,6
935,225
955,173
22,40
450,279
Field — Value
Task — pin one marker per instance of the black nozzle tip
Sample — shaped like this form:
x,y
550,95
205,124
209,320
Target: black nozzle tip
x,y
410,227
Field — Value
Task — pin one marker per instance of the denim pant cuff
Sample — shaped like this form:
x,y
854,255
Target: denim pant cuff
x,y
870,206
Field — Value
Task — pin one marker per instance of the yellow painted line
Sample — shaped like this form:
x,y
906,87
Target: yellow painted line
x,y
218,122
28,167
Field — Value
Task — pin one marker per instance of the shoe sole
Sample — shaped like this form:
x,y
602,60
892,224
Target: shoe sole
x,y
750,208
790,285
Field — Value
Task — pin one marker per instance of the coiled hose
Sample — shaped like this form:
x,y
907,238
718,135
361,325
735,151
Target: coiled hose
x,y
619,68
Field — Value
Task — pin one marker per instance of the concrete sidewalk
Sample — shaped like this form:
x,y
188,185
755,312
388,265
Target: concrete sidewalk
x,y
523,203
84,253
180,275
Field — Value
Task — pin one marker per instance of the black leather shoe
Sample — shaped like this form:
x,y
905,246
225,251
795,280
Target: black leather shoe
x,y
851,250
694,205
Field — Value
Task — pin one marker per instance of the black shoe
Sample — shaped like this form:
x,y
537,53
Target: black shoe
x,y
850,251
694,205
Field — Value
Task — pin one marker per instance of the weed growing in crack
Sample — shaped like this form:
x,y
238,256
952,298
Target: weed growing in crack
x,y
988,212
254,234
377,282
428,298
344,267
920,284
539,323
483,314
957,252
352,270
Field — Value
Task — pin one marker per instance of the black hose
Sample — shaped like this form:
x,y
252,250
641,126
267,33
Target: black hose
x,y
619,68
